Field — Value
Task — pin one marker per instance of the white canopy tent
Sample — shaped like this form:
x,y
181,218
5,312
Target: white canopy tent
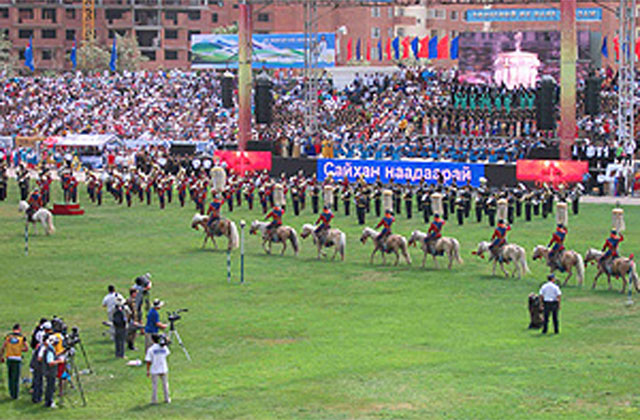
x,y
90,140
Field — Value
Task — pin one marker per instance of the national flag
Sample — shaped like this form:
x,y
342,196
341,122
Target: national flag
x,y
368,49
406,45
433,47
396,47
604,50
414,47
114,56
616,47
358,56
349,49
424,48
73,55
388,49
380,50
28,55
638,49
443,47
455,47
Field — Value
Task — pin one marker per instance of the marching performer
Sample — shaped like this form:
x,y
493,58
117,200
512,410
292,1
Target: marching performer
x,y
277,211
557,239
435,229
613,241
219,180
324,221
387,220
499,237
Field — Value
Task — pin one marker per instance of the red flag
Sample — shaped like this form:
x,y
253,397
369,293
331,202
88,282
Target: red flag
x,y
368,49
388,49
443,47
423,52
349,49
616,47
638,48
406,47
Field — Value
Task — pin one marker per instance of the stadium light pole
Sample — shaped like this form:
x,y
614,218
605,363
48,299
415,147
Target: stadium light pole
x,y
568,57
244,74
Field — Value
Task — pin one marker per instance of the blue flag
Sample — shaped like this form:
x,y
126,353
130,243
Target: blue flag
x,y
414,46
114,56
73,55
433,47
604,49
358,50
395,44
28,55
454,48
380,50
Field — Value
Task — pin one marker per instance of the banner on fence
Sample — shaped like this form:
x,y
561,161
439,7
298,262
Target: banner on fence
x,y
400,171
240,162
551,171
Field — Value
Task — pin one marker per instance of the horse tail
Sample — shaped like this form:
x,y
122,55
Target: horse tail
x,y
51,228
405,250
234,239
523,262
580,268
343,244
456,250
294,241
633,274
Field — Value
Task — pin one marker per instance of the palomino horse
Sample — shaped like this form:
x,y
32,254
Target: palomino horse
x,y
392,243
444,245
620,267
283,233
225,227
43,216
334,238
509,253
568,260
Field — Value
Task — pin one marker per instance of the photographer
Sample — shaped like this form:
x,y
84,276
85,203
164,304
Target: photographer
x,y
109,303
51,363
143,285
134,315
153,324
12,348
39,344
157,368
120,321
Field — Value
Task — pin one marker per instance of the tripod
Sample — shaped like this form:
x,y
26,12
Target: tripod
x,y
174,331
74,376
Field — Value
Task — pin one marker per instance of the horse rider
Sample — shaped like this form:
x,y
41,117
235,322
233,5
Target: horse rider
x,y
386,223
276,214
434,233
499,238
611,246
324,222
557,240
35,202
214,212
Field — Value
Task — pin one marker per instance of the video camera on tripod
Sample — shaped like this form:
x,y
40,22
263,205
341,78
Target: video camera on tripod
x,y
174,316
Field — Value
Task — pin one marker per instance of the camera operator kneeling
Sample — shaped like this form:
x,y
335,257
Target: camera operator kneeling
x,y
157,367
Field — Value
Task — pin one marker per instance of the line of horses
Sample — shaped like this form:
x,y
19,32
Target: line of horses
x,y
398,245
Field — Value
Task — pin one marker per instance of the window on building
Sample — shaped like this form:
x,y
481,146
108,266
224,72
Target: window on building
x,y
194,15
170,54
70,34
375,32
263,17
436,14
214,18
120,32
170,34
171,15
25,14
21,54
390,33
49,34
151,55
374,53
454,15
235,6
191,33
4,33
375,12
4,13
25,33
49,14
434,32
390,12
70,14
47,55
454,34
113,14
400,32
400,11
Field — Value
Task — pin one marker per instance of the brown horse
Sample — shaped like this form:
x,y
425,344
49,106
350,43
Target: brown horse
x,y
620,267
335,238
568,260
283,234
225,227
444,246
393,243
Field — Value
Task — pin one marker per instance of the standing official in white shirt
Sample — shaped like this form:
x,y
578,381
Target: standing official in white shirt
x,y
551,295
158,369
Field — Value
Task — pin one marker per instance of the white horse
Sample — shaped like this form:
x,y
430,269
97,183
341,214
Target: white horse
x,y
283,233
446,245
334,238
43,216
226,228
509,253
393,243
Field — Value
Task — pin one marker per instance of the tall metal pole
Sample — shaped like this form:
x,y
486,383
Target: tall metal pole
x,y
310,65
568,58
244,74
626,75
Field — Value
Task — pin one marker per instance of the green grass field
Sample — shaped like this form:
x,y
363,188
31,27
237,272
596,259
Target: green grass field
x,y
308,339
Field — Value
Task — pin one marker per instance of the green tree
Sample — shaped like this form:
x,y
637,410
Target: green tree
x,y
223,30
8,61
129,56
92,56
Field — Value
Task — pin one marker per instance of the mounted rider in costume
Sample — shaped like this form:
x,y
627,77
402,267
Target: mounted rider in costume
x,y
387,219
499,237
557,239
435,229
219,177
276,212
324,221
613,241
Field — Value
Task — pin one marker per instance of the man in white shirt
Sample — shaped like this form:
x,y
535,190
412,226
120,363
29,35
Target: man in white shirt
x,y
157,368
551,295
109,302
